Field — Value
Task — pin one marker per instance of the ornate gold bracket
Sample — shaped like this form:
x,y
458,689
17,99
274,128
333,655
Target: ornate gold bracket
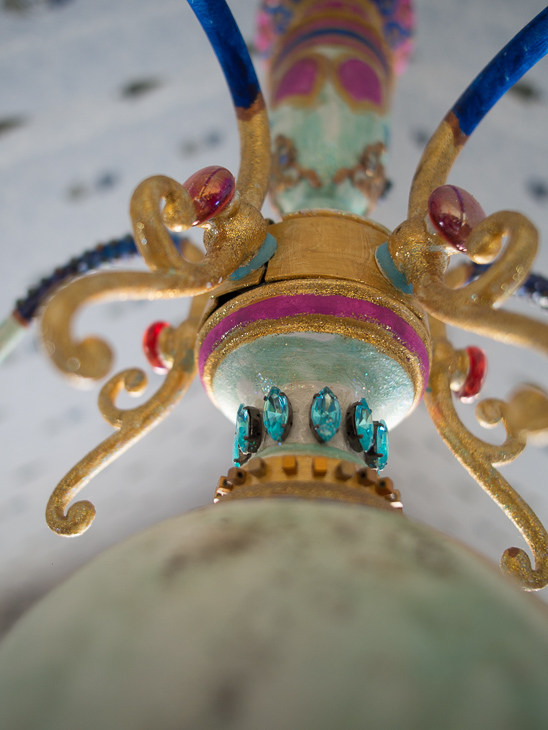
x,y
231,239
131,424
480,459
422,257
229,242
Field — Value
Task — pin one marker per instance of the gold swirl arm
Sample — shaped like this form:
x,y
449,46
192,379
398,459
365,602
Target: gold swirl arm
x,y
422,257
528,411
132,425
435,164
479,459
255,156
231,239
91,358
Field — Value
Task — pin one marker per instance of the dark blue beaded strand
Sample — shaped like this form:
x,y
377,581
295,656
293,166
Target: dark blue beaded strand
x,y
101,255
534,288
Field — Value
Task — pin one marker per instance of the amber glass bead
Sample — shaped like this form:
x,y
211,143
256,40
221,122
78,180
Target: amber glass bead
x,y
212,189
453,213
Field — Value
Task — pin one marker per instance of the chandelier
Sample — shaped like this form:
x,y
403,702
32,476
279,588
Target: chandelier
x,y
316,334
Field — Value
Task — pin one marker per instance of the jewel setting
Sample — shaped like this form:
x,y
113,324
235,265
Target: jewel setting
x,y
477,371
379,459
363,434
151,346
277,415
325,415
366,435
249,434
453,213
359,426
212,189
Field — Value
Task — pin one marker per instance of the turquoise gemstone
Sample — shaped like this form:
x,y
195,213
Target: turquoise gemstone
x,y
276,414
237,458
249,430
242,429
325,415
363,422
381,444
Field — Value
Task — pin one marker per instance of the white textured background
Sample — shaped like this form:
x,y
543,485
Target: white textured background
x,y
73,145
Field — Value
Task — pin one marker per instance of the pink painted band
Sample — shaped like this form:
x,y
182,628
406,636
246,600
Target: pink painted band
x,y
330,306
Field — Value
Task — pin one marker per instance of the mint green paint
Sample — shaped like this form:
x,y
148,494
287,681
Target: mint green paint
x,y
248,373
283,613
342,135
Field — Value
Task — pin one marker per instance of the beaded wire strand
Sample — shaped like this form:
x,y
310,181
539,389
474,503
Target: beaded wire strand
x,y
26,309
534,289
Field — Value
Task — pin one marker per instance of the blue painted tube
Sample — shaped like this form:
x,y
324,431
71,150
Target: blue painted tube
x,y
227,42
506,68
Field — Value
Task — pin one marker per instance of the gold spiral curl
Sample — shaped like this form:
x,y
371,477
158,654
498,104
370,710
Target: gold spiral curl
x,y
230,242
422,257
131,424
479,458
231,239
91,358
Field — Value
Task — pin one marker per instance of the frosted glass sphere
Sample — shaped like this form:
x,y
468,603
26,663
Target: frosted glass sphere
x,y
280,614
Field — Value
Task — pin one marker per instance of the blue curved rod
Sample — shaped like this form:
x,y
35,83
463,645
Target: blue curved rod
x,y
506,68
229,46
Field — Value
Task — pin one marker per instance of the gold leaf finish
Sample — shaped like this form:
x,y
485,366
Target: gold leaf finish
x,y
131,424
480,458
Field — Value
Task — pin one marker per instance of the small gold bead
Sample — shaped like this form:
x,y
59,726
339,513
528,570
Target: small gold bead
x,y
345,470
289,465
367,477
224,484
256,467
319,466
384,486
236,475
223,488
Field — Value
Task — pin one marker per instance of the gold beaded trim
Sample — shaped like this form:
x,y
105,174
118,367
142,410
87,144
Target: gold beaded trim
x,y
308,477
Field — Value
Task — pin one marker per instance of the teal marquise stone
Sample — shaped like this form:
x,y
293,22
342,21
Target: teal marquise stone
x,y
276,414
236,457
363,421
381,444
325,415
242,429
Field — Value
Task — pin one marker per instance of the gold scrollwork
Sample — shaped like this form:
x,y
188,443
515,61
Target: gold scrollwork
x,y
286,171
131,424
528,410
480,459
368,175
423,258
231,239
